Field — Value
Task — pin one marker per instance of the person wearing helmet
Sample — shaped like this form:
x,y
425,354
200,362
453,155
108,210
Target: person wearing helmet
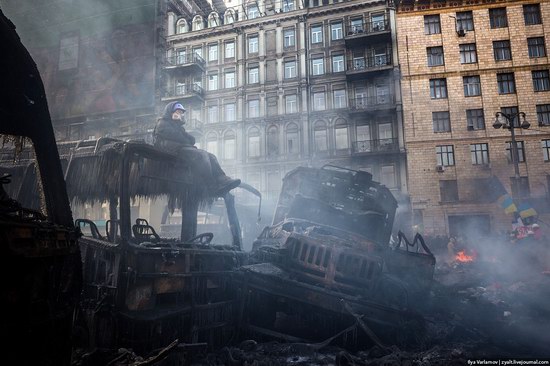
x,y
170,136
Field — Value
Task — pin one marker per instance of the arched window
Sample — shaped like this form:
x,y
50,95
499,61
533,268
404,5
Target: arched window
x,y
198,23
212,143
320,137
253,142
341,134
181,26
229,145
213,20
229,17
272,141
292,139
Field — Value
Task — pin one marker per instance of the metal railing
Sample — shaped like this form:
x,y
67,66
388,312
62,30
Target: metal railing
x,y
185,59
371,102
354,29
185,90
193,124
375,145
371,62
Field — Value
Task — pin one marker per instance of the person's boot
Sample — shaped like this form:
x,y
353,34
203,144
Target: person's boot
x,y
224,184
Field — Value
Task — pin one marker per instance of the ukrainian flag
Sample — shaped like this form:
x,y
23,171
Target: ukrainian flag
x,y
526,210
507,203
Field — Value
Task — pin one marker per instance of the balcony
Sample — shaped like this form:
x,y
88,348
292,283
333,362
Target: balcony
x,y
194,127
376,146
359,33
360,67
191,63
185,92
374,103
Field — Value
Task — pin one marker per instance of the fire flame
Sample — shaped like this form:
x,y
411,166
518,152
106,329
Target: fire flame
x,y
463,257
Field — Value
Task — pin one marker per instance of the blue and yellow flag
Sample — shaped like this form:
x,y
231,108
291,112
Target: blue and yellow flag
x,y
507,203
526,210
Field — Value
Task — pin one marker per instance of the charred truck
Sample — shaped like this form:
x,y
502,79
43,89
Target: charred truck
x,y
40,262
327,265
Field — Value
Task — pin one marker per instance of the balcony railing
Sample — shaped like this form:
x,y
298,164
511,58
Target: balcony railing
x,y
185,91
185,60
376,145
373,102
193,124
357,29
371,63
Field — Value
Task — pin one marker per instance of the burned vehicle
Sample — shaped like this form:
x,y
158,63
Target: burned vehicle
x,y
141,290
326,262
40,262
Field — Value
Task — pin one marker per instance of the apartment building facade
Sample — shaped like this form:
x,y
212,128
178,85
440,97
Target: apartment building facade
x,y
461,63
272,85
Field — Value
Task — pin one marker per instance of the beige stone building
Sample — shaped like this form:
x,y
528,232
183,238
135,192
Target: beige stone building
x,y
462,62
275,84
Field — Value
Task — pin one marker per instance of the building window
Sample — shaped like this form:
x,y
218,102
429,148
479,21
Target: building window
x,y
480,154
253,75
229,146
316,34
197,51
432,24
545,144
465,20
319,101
441,121
338,63
438,88
181,26
292,139
230,50
498,18
445,155
435,56
448,190
476,119
536,47
252,12
468,54
320,137
511,111
230,79
506,83
291,103
213,114
531,14
213,82
254,143
289,36
341,138
213,52
253,44
288,5
290,69
336,31
472,86
339,98
253,108
541,80
502,50
318,66
520,188
68,52
229,17
543,114
521,151
229,112
181,56
387,176
212,144
272,141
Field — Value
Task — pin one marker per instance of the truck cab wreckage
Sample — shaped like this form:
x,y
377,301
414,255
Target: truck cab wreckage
x,y
326,265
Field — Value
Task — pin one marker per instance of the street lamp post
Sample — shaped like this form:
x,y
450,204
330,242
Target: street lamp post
x,y
509,124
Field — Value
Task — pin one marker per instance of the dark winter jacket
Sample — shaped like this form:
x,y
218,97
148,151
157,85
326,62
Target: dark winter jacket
x,y
170,135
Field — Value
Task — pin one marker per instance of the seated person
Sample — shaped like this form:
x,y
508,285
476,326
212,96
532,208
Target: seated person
x,y
170,136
